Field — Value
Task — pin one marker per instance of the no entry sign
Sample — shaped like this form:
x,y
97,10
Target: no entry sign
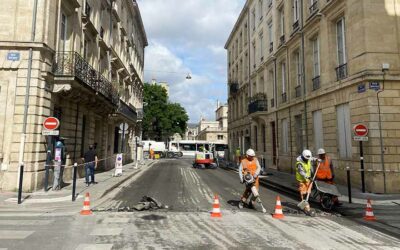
x,y
51,123
360,130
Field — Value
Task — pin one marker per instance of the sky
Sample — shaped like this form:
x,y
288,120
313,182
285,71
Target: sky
x,y
188,36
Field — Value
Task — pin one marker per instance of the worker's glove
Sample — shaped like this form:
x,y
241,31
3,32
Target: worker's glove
x,y
241,181
255,176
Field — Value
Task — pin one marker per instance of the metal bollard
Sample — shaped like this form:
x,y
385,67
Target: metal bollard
x,y
21,179
74,181
348,183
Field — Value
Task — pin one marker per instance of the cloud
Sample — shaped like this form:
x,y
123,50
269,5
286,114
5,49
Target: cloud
x,y
189,36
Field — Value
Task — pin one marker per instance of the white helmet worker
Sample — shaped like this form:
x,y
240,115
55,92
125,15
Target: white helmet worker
x,y
306,154
250,152
321,151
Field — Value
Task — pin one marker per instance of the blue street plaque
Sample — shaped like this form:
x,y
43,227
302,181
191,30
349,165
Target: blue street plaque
x,y
13,56
361,87
374,85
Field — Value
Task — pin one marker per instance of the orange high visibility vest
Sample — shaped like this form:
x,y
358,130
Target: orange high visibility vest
x,y
324,171
249,166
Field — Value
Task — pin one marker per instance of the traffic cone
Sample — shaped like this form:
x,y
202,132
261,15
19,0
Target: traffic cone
x,y
86,206
369,214
278,209
216,212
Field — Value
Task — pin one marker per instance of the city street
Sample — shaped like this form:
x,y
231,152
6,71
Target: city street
x,y
186,223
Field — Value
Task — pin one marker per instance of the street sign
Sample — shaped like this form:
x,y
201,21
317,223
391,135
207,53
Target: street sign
x,y
360,130
361,88
123,126
375,86
50,132
13,56
51,123
360,138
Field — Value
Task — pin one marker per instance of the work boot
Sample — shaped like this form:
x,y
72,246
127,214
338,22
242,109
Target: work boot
x,y
241,204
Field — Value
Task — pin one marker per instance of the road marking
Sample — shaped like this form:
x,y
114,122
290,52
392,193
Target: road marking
x,y
106,231
94,247
14,235
25,222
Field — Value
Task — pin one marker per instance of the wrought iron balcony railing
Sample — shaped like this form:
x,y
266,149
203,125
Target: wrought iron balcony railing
x,y
297,91
128,111
341,71
72,64
282,40
272,102
234,88
258,105
314,7
296,25
271,47
284,97
316,82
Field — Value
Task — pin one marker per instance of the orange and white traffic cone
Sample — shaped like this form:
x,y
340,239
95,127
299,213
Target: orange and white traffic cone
x,y
369,214
86,206
278,209
216,212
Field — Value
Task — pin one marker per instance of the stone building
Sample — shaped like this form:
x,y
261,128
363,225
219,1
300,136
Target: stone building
x,y
215,131
302,73
78,60
191,132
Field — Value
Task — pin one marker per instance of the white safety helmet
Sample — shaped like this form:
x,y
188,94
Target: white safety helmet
x,y
321,151
306,154
250,152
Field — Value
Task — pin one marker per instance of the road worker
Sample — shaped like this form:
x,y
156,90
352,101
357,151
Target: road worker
x,y
237,155
325,171
304,175
151,153
249,164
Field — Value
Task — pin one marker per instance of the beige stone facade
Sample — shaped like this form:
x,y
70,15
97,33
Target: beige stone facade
x,y
302,73
87,70
215,131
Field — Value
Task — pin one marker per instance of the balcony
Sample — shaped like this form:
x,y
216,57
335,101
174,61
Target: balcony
x,y
341,72
271,47
296,25
234,88
127,110
258,103
284,97
282,40
297,91
74,3
71,64
314,7
102,42
316,82
87,21
115,12
140,114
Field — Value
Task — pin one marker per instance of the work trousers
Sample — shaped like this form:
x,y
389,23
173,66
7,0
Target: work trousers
x,y
89,171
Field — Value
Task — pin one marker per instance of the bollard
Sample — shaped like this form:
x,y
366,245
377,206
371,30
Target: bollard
x,y
21,178
348,183
74,181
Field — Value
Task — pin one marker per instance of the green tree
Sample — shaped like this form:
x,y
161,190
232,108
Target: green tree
x,y
162,119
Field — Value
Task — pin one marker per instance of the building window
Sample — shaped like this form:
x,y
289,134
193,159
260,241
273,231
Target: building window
x,y
318,129
261,47
295,10
253,19
260,9
254,54
264,139
271,37
298,68
85,49
344,130
285,136
316,66
283,80
256,137
220,137
341,41
63,32
282,21
298,121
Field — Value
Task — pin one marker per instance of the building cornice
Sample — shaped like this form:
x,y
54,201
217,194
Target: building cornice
x,y
238,21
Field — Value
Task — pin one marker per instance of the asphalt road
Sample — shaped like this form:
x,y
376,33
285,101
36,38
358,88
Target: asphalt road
x,y
187,223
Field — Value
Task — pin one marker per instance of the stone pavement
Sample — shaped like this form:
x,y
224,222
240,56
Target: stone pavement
x,y
61,200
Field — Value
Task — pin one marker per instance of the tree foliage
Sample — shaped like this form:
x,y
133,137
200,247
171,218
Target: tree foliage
x,y
162,119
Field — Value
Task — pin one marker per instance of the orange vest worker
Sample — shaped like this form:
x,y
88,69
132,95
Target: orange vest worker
x,y
250,166
324,171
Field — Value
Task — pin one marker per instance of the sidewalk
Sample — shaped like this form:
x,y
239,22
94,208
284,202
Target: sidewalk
x,y
51,201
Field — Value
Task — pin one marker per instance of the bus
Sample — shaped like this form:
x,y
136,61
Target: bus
x,y
189,147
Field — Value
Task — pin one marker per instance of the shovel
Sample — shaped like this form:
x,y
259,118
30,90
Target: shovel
x,y
304,203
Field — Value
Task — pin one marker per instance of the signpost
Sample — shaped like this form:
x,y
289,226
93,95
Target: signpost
x,y
361,132
50,125
123,127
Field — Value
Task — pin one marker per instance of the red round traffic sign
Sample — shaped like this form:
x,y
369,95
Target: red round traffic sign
x,y
360,130
51,123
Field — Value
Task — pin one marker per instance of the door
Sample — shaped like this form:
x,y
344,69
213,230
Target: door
x,y
273,133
